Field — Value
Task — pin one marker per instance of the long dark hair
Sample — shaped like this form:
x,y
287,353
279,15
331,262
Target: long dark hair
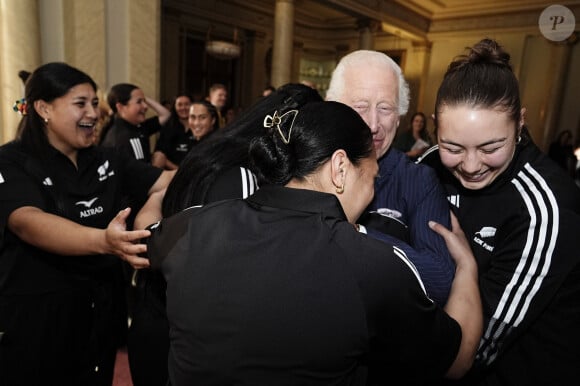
x,y
483,78
48,82
228,147
299,145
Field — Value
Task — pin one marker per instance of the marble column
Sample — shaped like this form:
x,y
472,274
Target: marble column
x,y
20,47
283,37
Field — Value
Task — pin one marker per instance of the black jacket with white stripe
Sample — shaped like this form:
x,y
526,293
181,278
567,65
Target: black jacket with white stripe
x,y
131,139
524,230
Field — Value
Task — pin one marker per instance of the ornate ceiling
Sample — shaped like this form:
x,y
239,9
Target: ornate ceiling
x,y
411,19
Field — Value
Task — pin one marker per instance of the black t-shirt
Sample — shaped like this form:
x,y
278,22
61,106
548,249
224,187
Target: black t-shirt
x,y
89,195
133,140
279,289
175,142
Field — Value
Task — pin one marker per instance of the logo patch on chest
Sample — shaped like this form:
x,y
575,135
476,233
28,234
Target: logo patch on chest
x,y
104,172
485,233
89,211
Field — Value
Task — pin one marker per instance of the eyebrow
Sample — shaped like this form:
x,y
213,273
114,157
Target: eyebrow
x,y
490,142
84,99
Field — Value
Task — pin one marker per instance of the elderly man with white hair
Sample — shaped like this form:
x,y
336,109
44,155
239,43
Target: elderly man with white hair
x,y
407,195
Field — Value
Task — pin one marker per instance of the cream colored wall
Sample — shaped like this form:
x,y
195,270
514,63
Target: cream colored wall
x,y
112,40
20,48
144,48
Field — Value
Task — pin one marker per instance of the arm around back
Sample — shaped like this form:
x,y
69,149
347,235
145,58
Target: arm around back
x,y
464,304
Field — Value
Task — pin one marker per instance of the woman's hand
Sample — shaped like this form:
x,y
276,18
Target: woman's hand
x,y
456,242
124,243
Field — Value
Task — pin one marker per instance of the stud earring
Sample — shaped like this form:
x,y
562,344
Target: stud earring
x,y
45,120
340,189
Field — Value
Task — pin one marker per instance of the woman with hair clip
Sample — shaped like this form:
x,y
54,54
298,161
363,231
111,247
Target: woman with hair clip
x,y
281,289
217,168
62,308
527,251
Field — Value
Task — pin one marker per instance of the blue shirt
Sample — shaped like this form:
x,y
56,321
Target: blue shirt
x,y
410,195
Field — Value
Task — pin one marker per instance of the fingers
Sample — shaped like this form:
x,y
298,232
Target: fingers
x,y
455,224
136,261
130,253
131,236
122,215
438,228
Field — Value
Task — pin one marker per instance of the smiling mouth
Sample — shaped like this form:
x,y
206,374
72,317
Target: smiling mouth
x,y
87,126
474,177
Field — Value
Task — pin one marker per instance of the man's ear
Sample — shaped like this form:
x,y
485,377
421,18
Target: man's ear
x,y
339,166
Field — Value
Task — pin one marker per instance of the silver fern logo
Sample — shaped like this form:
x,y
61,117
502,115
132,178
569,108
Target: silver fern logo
x,y
104,172
486,232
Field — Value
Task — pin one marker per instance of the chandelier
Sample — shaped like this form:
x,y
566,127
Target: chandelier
x,y
222,49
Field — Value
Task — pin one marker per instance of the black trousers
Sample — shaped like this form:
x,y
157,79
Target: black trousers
x,y
148,336
62,338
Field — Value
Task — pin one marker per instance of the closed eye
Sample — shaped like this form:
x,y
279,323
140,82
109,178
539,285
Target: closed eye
x,y
489,151
453,151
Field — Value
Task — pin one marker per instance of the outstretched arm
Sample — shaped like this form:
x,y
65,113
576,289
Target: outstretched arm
x,y
61,236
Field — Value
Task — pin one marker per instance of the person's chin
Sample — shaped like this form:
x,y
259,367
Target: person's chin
x,y
380,148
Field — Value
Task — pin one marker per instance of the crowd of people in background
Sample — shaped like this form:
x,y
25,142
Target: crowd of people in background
x,y
301,240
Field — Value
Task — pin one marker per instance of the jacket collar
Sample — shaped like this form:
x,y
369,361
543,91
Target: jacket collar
x,y
300,200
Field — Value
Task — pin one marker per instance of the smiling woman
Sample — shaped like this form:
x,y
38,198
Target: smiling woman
x,y
130,129
61,225
527,251
203,119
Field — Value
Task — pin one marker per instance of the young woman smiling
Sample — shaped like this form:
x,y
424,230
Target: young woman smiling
x,y
521,213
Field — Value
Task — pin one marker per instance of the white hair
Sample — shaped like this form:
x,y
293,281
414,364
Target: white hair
x,y
357,61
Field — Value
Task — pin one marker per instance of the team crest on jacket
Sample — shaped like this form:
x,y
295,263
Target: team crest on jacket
x,y
388,213
485,233
104,172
